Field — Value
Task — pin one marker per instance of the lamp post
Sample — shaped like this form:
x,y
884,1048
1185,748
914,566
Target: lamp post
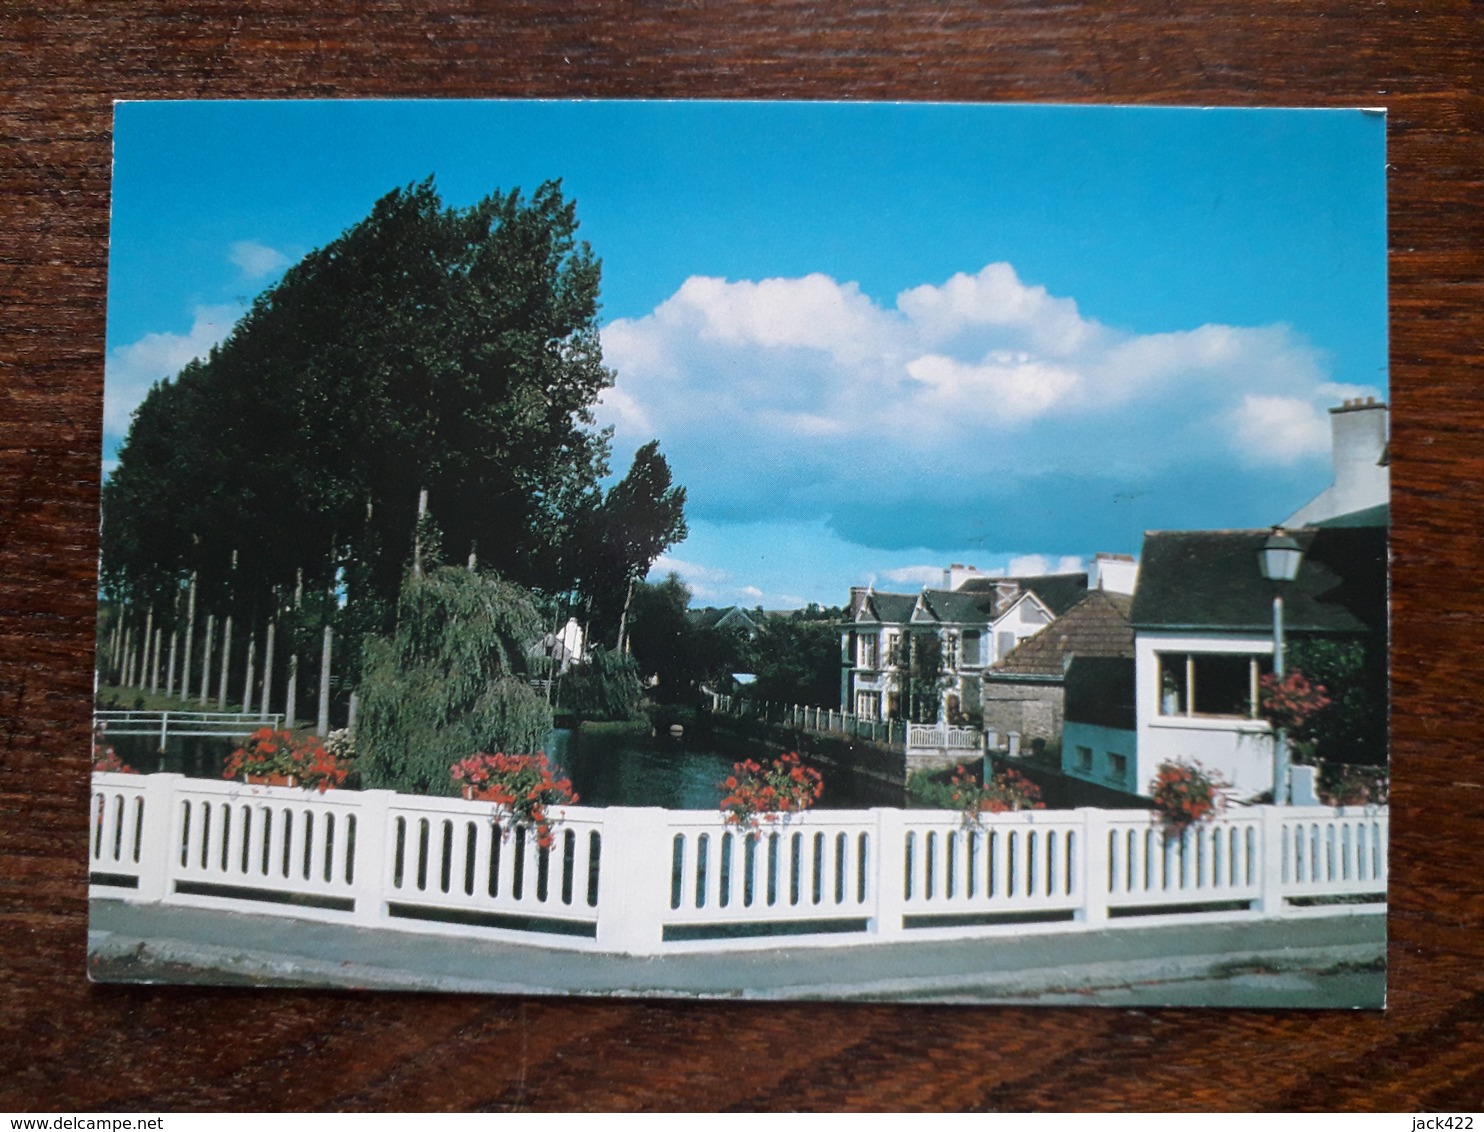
x,y
1279,562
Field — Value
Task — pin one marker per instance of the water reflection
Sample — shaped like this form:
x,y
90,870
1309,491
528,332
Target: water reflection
x,y
624,769
615,768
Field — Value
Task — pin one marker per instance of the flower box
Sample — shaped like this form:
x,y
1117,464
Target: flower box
x,y
271,779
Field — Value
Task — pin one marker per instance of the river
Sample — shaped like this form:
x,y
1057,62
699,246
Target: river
x,y
608,767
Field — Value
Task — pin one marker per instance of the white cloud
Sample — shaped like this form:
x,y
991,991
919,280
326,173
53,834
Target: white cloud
x,y
805,396
916,575
1009,387
1281,430
1035,565
131,370
997,298
256,260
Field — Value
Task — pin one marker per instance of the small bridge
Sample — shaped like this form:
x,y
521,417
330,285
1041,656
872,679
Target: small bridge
x,y
222,724
635,881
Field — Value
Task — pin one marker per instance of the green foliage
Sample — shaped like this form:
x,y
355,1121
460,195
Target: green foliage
x,y
449,682
924,675
642,515
605,687
931,790
1352,729
664,642
797,659
452,349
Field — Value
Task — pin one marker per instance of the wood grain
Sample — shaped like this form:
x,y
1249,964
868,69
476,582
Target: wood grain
x,y
67,1045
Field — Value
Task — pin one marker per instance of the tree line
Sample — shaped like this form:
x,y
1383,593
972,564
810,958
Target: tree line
x,y
417,394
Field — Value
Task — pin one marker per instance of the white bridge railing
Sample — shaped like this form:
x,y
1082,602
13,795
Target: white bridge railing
x,y
222,724
646,881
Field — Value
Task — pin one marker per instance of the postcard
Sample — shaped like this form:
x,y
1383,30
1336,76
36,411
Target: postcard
x,y
912,552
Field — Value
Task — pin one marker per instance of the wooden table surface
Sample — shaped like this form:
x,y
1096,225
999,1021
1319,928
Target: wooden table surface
x,y
67,1045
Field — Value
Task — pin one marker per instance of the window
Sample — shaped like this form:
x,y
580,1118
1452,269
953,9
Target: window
x,y
893,649
1084,759
868,705
969,648
1117,766
1210,683
868,650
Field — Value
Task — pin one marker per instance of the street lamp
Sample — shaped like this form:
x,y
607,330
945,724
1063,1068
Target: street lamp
x,y
1279,562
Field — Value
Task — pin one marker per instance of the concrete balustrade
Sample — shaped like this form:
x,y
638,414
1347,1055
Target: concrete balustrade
x,y
645,881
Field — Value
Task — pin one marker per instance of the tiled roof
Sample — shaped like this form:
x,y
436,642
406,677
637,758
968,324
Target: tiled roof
x,y
1210,580
1097,625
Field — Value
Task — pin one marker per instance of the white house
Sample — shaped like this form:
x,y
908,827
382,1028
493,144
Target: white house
x,y
1203,638
973,626
1203,624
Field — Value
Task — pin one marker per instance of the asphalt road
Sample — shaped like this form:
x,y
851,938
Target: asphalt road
x,y
1335,962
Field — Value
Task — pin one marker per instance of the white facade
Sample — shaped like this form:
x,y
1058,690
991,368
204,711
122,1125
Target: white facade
x,y
874,661
1025,618
1215,725
1362,479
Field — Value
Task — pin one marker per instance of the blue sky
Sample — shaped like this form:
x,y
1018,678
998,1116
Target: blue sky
x,y
872,339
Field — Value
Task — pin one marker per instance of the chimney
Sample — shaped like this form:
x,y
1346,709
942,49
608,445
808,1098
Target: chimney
x,y
958,573
1115,573
1358,429
1362,480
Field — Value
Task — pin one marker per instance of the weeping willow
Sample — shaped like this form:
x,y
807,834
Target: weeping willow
x,y
449,682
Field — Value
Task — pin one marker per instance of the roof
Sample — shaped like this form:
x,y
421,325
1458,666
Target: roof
x,y
1100,691
1210,580
956,608
1377,516
1058,592
1098,625
731,617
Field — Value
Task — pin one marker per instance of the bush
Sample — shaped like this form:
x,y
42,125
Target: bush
x,y
448,682
1007,792
605,687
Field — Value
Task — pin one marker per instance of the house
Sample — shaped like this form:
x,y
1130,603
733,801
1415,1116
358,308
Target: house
x,y
1099,740
563,648
1204,614
732,619
885,672
1203,625
1024,691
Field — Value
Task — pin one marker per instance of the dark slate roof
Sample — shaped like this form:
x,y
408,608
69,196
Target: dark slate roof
x,y
1377,516
955,607
1097,625
1058,592
1100,691
889,609
1210,580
